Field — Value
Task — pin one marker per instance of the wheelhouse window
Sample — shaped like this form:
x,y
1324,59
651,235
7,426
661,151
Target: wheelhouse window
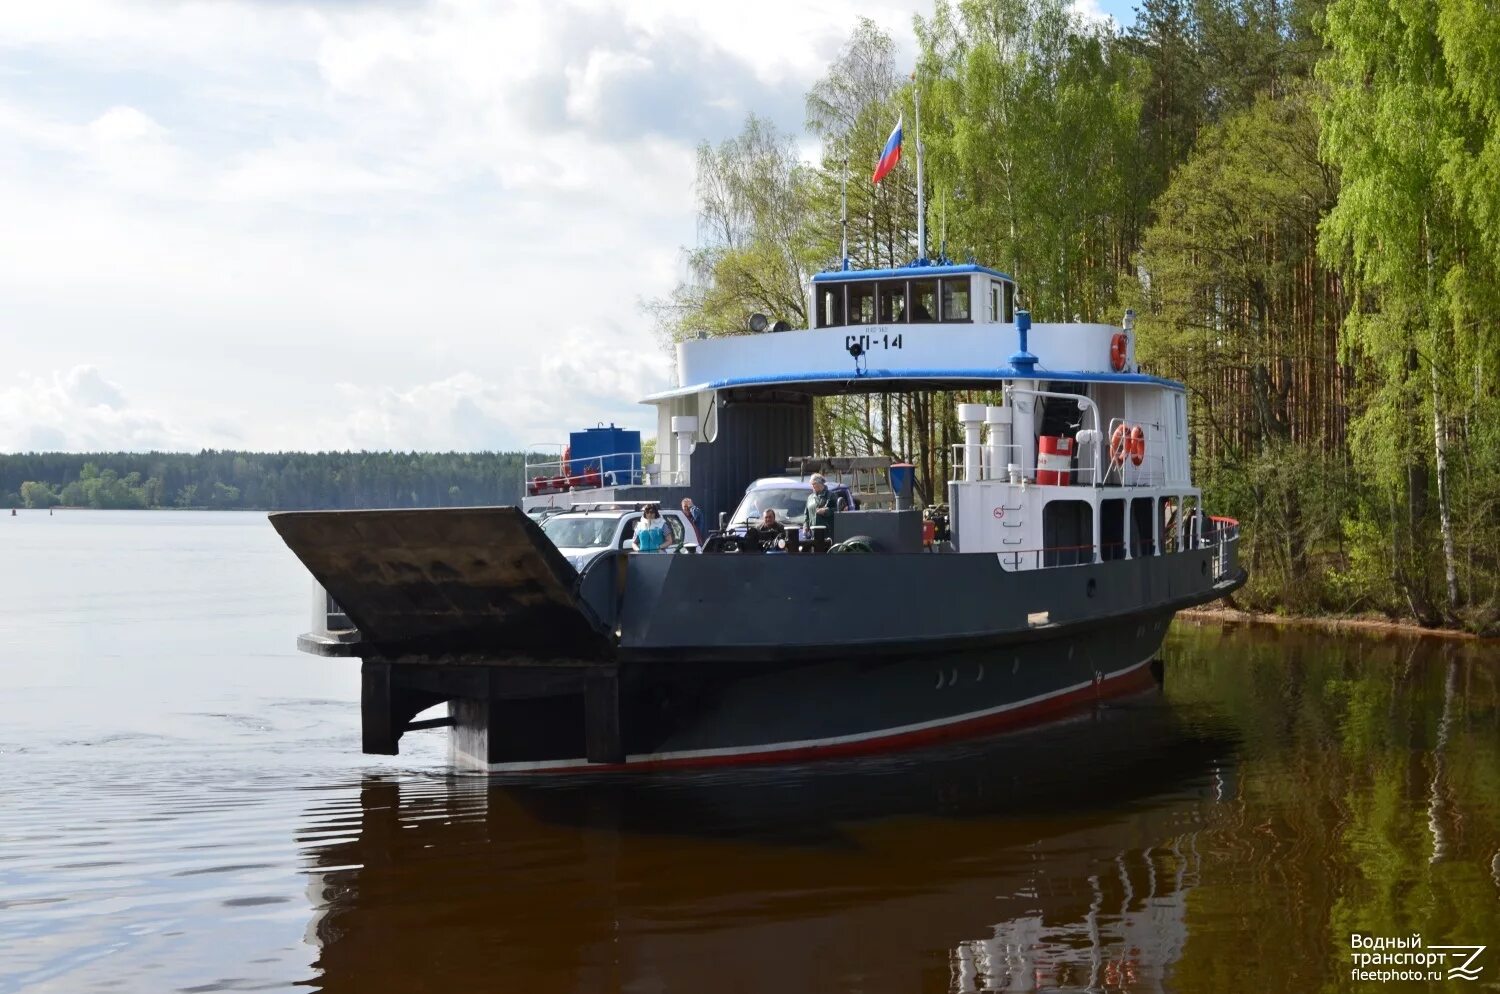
x,y
955,295
924,300
861,303
1002,302
830,306
892,303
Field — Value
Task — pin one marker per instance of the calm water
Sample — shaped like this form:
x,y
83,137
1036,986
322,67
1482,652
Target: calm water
x,y
184,808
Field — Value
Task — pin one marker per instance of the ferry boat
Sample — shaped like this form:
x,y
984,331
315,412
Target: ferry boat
x,y
1074,533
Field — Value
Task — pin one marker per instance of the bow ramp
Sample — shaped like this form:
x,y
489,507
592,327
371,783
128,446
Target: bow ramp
x,y
444,580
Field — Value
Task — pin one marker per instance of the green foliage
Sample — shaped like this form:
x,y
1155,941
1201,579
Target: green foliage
x,y
1033,134
756,252
1411,125
36,494
264,480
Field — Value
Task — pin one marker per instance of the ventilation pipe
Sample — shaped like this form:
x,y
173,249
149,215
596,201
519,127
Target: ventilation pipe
x,y
1023,427
997,420
684,428
971,416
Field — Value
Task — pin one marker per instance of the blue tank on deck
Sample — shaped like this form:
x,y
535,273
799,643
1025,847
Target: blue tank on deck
x,y
613,452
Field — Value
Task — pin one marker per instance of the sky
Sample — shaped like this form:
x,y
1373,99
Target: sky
x,y
366,224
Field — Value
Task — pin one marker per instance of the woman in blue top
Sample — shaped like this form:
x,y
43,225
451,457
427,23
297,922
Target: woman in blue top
x,y
651,532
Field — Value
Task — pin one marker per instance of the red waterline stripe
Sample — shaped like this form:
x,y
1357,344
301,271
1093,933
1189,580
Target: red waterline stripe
x,y
1138,677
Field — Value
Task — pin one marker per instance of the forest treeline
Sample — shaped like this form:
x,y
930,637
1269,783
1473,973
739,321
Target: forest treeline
x,y
270,481
1300,198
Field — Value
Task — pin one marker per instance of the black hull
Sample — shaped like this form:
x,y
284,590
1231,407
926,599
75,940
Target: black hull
x,y
647,661
681,714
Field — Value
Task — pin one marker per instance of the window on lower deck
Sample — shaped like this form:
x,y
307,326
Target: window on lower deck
x,y
1142,532
1067,533
1112,529
1171,530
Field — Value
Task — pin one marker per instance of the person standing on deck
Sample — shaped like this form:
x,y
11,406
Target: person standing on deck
x,y
822,505
651,531
694,513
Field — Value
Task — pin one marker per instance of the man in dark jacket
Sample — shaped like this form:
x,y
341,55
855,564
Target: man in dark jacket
x,y
694,513
822,505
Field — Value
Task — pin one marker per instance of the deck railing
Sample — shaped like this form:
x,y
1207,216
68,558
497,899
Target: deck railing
x,y
555,475
1151,473
1221,536
999,469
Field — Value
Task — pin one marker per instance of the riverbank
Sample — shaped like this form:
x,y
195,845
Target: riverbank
x,y
1373,625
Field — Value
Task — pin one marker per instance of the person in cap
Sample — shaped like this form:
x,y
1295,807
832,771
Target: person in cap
x,y
822,505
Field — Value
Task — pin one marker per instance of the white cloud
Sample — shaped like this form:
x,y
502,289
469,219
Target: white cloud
x,y
518,408
1092,13
451,207
78,410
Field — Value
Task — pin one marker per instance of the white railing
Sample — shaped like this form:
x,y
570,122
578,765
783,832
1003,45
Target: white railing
x,y
559,475
1224,538
993,469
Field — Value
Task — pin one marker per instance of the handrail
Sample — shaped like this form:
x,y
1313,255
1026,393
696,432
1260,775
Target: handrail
x,y
1000,473
1084,404
1221,540
1149,464
582,473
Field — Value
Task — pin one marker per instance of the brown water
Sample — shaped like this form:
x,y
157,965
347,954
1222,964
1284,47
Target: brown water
x,y
184,808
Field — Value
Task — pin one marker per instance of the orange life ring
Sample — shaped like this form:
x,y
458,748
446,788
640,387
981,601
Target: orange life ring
x,y
1137,445
1119,445
1117,351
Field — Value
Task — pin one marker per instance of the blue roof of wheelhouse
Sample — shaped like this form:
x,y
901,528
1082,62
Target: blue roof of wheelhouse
x,y
908,272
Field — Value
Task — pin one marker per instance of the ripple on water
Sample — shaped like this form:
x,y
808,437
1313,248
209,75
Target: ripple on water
x,y
210,825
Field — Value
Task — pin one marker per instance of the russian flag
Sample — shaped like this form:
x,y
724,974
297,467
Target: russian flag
x,y
890,156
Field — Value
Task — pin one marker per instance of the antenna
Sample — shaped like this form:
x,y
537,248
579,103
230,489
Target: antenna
x,y
844,215
943,227
916,93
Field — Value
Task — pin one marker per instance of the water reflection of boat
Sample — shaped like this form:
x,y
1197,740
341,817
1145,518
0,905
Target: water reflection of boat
x,y
991,865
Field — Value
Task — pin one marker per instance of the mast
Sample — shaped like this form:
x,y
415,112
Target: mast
x,y
844,216
916,93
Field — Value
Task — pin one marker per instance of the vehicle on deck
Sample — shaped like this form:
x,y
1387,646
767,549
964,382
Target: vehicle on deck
x,y
787,496
542,512
585,531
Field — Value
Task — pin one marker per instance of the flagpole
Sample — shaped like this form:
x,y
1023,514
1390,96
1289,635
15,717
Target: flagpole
x,y
844,218
916,93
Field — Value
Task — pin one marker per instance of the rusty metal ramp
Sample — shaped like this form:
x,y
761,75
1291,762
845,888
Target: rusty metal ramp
x,y
443,580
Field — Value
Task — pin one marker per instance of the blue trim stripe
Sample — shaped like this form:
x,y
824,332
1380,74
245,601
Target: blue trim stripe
x,y
906,272
897,375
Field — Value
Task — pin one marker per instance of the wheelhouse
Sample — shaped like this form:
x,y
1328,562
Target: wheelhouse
x,y
944,294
